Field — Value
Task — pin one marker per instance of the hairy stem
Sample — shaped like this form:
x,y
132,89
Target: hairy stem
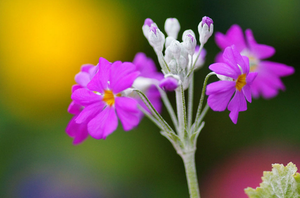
x,y
191,175
190,101
181,110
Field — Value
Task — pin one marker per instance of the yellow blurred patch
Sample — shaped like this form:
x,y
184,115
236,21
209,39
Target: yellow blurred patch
x,y
44,43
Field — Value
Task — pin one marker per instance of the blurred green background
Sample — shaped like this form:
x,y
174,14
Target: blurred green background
x,y
43,43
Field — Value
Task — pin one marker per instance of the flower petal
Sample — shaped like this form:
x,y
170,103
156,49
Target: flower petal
x,y
224,69
75,87
89,112
267,84
122,76
127,112
234,36
247,92
220,87
86,67
261,51
233,58
82,78
237,104
103,124
99,82
251,77
85,97
77,131
278,69
74,108
219,94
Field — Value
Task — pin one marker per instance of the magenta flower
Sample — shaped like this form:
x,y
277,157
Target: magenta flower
x,y
236,80
268,81
149,76
103,100
77,131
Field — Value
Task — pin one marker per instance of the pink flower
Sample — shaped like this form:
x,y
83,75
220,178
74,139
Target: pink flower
x,y
79,131
103,100
236,80
146,80
268,81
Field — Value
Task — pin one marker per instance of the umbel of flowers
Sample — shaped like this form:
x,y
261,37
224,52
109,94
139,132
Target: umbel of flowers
x,y
108,92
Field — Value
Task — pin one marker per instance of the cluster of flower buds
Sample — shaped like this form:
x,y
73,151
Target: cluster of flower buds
x,y
180,59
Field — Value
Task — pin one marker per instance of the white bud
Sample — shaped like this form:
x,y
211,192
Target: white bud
x,y
169,40
175,48
146,27
205,29
183,62
156,39
189,41
172,27
173,66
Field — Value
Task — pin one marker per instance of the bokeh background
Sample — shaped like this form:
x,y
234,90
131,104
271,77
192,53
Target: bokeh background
x,y
43,43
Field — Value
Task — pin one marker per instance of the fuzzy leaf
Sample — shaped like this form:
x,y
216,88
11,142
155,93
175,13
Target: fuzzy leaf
x,y
282,182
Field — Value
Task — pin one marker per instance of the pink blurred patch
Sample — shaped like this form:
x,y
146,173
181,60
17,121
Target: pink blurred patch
x,y
244,169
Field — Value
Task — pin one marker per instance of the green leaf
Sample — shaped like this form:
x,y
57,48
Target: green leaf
x,y
282,182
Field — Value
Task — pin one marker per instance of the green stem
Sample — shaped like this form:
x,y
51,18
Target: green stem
x,y
181,110
168,106
163,123
191,175
190,101
198,114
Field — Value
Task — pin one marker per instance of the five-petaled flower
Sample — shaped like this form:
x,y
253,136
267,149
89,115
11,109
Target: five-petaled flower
x,y
268,81
103,100
235,79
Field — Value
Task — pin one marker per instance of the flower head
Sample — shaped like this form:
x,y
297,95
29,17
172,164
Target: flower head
x,y
103,100
268,81
237,81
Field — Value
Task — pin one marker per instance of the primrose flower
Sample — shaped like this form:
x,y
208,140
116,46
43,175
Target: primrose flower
x,y
79,131
145,82
268,81
236,80
103,99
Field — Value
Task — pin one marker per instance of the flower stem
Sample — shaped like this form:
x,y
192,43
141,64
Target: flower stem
x,y
181,110
190,102
198,114
191,175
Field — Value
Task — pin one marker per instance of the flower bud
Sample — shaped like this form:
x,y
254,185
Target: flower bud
x,y
169,83
175,48
183,62
169,40
172,27
189,41
146,27
205,29
156,38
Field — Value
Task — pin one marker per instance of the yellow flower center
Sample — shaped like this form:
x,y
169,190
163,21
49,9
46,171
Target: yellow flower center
x,y
240,82
253,61
109,97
